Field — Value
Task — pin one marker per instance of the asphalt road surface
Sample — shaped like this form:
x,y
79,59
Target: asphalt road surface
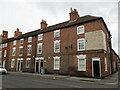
x,y
29,81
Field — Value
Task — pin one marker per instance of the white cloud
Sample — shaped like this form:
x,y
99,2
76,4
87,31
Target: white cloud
x,y
26,15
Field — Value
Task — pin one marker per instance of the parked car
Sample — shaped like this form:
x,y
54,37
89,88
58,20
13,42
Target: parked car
x,y
3,70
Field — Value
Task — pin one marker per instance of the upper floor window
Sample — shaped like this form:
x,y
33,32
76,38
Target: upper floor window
x,y
56,33
81,44
80,29
14,42
29,50
29,39
5,53
57,46
21,41
13,51
39,48
40,37
21,51
56,63
81,62
5,45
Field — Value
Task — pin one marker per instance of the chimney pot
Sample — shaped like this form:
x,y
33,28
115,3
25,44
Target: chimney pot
x,y
73,14
43,24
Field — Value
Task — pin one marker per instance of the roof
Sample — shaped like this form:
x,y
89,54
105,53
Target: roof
x,y
68,23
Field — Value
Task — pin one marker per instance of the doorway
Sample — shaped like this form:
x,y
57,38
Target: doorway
x,y
96,68
38,66
19,65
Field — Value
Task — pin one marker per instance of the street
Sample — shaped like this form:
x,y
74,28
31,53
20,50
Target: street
x,y
29,81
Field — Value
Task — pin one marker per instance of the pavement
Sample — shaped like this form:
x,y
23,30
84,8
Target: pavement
x,y
111,80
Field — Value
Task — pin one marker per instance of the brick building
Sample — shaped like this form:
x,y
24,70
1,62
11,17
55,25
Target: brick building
x,y
80,46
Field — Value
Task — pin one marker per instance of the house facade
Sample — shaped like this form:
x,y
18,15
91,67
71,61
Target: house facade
x,y
80,46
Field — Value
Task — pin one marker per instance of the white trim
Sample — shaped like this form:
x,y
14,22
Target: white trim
x,y
56,41
96,59
56,32
40,35
78,44
39,44
80,27
28,58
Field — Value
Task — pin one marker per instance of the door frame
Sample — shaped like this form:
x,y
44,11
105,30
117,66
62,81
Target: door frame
x,y
96,59
21,61
39,63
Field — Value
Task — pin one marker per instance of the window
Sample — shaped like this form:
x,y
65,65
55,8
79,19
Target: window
x,y
21,41
5,45
13,51
0,53
29,49
81,44
56,33
3,63
14,42
81,62
39,48
29,39
40,37
105,64
0,45
56,63
5,53
80,30
12,63
28,63
57,46
21,51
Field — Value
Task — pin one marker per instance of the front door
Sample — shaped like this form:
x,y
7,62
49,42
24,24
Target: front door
x,y
96,68
41,66
19,65
37,66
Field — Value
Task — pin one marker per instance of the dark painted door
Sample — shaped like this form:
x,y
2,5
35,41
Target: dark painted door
x,y
37,64
96,68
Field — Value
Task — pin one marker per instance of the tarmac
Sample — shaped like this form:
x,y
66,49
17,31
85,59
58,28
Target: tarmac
x,y
111,79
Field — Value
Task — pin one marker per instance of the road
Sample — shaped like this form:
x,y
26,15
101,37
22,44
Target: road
x,y
27,81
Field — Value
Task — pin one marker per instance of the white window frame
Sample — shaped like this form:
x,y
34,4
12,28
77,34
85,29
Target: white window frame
x,y
0,45
58,59
81,57
21,41
39,44
14,51
56,41
78,47
56,35
29,39
28,62
12,63
105,59
19,51
14,42
28,50
80,29
5,53
40,37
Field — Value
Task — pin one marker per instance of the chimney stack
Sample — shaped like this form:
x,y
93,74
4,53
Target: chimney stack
x,y
73,14
5,35
17,33
43,24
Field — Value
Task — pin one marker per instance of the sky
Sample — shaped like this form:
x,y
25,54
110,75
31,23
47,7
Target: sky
x,y
27,14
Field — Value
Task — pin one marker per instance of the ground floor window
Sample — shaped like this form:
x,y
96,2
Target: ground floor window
x,y
12,63
56,63
81,62
27,63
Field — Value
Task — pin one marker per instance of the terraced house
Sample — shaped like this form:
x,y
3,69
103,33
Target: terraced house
x,y
80,46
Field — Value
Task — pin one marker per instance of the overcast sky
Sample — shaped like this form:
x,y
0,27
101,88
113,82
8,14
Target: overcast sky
x,y
27,14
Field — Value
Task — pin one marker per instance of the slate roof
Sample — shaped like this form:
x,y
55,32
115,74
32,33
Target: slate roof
x,y
68,23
